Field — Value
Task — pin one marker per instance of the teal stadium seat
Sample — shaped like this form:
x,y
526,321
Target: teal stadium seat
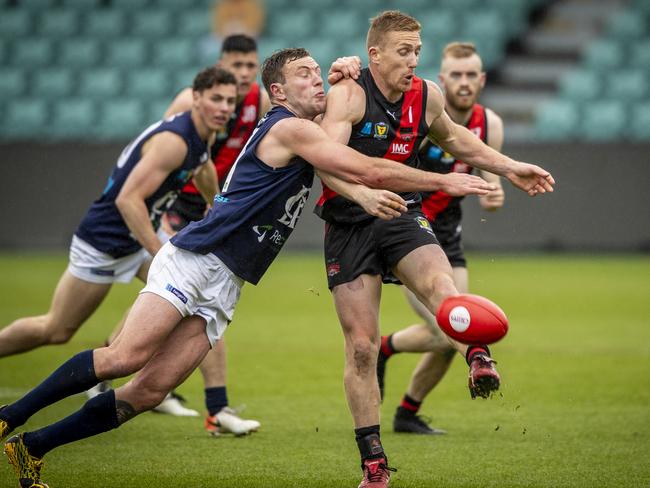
x,y
556,120
53,83
193,23
15,23
463,6
73,118
128,5
34,52
79,53
100,83
24,118
639,128
603,121
4,52
269,45
439,26
154,24
181,79
37,5
581,85
640,55
324,51
13,83
513,13
484,24
148,84
295,26
341,25
120,118
604,55
627,24
105,23
82,4
631,84
58,23
175,53
155,111
127,53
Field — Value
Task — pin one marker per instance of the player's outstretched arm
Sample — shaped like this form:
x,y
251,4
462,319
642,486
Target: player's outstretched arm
x,y
496,198
461,143
307,140
162,154
379,203
207,183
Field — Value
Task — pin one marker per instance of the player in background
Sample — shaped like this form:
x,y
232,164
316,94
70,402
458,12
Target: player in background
x,y
118,235
388,112
195,280
462,79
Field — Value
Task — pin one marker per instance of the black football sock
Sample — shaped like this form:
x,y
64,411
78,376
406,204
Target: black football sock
x,y
215,399
72,377
369,443
474,350
98,415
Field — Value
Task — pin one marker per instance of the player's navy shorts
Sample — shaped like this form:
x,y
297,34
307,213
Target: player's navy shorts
x,y
188,207
452,244
374,247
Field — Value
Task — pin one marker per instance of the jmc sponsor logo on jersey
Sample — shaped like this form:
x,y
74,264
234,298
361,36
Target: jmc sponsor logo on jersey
x,y
399,148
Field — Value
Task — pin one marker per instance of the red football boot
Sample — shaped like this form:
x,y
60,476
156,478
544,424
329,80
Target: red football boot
x,y
483,376
376,474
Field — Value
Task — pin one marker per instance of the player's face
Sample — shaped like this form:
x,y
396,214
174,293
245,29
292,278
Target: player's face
x,y
216,105
397,59
303,87
462,79
244,66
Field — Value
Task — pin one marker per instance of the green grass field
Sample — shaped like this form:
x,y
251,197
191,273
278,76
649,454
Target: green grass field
x,y
574,410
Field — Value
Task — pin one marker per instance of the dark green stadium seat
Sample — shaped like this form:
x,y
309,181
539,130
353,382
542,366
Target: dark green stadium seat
x,y
4,52
155,111
128,5
269,45
120,118
79,53
72,117
630,84
294,25
182,78
438,24
155,24
627,24
13,83
193,23
556,120
324,51
34,52
640,54
15,23
100,83
639,128
484,23
37,5
175,53
105,23
603,55
341,25
24,118
58,23
603,121
53,83
580,85
148,83
82,4
128,53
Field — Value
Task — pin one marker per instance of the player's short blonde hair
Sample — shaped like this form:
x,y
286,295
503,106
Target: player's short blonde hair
x,y
390,21
459,50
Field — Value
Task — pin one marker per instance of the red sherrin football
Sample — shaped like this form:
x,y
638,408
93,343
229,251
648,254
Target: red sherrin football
x,y
472,319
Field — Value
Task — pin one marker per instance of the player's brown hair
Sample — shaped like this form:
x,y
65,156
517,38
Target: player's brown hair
x,y
390,21
272,66
211,76
459,50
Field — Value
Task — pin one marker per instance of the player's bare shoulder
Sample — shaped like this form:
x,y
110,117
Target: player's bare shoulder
x,y
494,129
284,140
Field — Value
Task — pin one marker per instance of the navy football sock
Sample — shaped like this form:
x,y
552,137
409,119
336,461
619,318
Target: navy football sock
x,y
96,416
74,376
215,399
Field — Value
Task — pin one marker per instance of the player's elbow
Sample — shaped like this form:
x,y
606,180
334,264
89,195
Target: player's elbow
x,y
374,177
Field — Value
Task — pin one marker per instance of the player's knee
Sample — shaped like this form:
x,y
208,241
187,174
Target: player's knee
x,y
119,363
53,333
364,355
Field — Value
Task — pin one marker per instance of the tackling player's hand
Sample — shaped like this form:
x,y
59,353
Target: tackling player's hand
x,y
531,178
493,200
381,203
461,184
344,68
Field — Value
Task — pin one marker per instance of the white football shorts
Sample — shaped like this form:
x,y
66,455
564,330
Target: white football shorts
x,y
196,284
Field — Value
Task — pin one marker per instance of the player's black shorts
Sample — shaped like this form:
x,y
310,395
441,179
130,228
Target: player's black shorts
x,y
374,247
450,238
188,207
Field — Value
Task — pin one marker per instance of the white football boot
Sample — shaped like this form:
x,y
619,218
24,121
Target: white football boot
x,y
226,421
173,405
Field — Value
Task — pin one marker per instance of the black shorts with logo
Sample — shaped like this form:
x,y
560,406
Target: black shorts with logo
x,y
374,247
188,207
452,244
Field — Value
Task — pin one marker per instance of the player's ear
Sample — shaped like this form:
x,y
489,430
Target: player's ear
x,y
277,92
483,78
373,54
195,97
